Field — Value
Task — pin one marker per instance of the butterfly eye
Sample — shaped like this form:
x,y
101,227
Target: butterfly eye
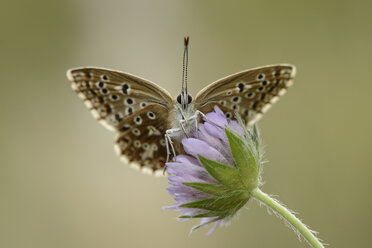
x,y
189,99
179,98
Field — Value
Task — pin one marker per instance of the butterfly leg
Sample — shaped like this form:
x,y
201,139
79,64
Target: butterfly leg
x,y
182,124
169,142
197,112
168,152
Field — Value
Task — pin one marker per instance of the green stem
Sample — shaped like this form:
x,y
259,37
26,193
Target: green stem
x,y
288,216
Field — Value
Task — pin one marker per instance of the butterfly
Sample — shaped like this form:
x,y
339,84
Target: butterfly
x,y
145,117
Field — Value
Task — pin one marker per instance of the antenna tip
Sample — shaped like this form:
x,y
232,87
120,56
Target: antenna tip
x,y
186,40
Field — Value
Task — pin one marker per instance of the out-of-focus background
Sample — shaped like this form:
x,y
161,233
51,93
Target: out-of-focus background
x,y
61,185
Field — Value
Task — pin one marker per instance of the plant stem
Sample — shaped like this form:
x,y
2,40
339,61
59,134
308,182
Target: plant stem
x,y
288,216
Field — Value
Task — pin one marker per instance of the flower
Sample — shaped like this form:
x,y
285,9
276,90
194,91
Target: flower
x,y
222,165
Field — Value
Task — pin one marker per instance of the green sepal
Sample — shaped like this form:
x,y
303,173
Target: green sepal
x,y
213,189
224,174
252,138
256,139
223,203
207,214
244,157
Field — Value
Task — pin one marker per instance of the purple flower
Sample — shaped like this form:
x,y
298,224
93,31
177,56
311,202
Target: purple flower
x,y
213,180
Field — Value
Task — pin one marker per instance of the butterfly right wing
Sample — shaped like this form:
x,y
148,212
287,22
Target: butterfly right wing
x,y
250,93
137,109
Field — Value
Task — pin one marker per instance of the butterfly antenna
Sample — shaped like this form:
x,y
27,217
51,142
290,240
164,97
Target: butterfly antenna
x,y
186,41
184,66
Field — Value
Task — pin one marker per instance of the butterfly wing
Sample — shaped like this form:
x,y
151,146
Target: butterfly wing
x,y
249,93
137,109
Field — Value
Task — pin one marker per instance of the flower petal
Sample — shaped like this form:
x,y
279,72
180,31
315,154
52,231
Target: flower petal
x,y
197,147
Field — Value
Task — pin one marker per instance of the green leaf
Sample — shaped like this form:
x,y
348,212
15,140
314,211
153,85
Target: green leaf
x,y
223,203
212,189
207,214
245,160
224,174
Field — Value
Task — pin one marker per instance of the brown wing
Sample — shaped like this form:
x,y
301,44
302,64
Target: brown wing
x,y
249,93
141,139
115,99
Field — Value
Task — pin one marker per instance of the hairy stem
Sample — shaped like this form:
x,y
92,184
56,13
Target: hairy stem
x,y
288,216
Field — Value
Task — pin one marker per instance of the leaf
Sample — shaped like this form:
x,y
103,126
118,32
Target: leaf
x,y
245,160
223,203
207,214
212,189
224,174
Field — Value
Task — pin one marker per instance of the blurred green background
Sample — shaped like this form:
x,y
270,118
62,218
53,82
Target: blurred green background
x,y
61,185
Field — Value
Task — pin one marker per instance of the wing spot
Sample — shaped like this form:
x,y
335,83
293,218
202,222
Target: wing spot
x,y
125,127
162,142
235,107
138,120
104,91
276,73
151,115
94,92
264,83
145,146
101,99
136,131
263,96
129,101
137,143
250,95
261,76
261,88
229,93
223,103
241,87
236,99
125,139
114,97
107,108
125,89
119,117
104,77
100,84
128,111
143,104
228,115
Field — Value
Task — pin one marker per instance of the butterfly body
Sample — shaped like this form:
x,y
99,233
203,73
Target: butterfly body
x,y
141,112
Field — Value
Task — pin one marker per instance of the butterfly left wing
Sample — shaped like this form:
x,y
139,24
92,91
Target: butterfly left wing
x,y
249,93
137,109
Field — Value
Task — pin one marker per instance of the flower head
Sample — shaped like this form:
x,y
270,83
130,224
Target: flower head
x,y
222,165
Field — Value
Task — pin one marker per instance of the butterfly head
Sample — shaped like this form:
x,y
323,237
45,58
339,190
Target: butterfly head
x,y
184,100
